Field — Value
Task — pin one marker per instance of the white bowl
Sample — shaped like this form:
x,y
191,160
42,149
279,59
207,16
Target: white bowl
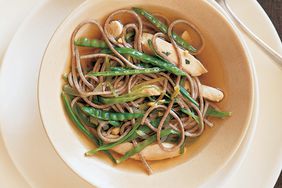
x,y
226,58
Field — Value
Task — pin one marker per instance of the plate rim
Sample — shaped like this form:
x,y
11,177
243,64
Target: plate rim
x,y
21,28
252,118
269,180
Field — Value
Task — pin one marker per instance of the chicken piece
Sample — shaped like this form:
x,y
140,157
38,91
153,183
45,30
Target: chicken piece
x,y
151,152
190,64
211,93
115,28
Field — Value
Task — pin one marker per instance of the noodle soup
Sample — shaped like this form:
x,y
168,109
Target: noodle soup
x,y
208,57
225,65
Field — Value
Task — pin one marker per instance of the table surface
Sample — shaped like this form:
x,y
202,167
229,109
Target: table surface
x,y
274,10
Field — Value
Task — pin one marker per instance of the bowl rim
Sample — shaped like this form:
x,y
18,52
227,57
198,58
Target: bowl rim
x,y
254,104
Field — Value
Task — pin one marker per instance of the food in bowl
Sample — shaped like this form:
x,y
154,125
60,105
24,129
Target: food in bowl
x,y
137,91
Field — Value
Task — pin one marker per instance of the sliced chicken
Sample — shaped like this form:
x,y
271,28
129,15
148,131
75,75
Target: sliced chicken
x,y
190,64
115,28
211,93
151,153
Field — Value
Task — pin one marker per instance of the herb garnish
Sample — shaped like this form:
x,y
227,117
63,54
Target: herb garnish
x,y
166,53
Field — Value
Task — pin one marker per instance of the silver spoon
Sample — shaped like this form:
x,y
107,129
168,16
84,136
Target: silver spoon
x,y
275,55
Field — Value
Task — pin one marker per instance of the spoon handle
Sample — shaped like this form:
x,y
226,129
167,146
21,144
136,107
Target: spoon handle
x,y
275,55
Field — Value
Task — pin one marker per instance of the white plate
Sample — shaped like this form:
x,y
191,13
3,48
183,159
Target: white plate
x,y
263,163
32,153
24,136
201,168
9,175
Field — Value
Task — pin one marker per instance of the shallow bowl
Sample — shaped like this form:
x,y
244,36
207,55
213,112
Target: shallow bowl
x,y
229,65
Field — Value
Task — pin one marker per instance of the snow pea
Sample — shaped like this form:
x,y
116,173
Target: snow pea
x,y
123,72
72,114
126,138
148,59
86,42
145,91
190,113
109,116
218,114
164,28
69,90
186,94
144,144
115,123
